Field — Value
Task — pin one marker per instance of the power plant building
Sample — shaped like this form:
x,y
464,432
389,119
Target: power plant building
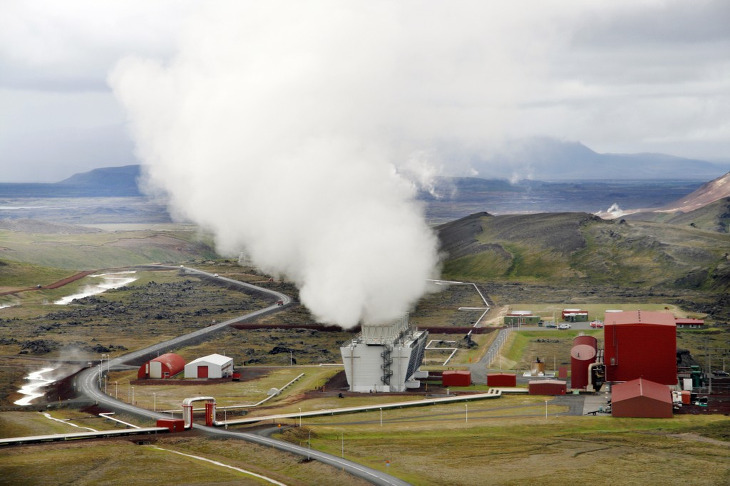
x,y
640,344
384,358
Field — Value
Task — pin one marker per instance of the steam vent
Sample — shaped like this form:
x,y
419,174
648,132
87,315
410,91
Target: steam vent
x,y
384,358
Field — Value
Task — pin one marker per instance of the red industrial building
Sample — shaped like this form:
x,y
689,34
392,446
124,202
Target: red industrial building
x,y
640,344
162,367
456,378
641,398
546,387
582,356
502,379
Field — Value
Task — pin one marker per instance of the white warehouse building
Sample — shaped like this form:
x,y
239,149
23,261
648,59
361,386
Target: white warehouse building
x,y
211,366
384,358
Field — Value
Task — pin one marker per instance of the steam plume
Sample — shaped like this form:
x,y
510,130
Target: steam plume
x,y
280,127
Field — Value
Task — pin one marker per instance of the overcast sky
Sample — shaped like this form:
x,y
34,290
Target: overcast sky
x,y
618,76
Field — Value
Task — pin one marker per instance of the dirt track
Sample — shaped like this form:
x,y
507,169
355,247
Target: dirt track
x,y
54,285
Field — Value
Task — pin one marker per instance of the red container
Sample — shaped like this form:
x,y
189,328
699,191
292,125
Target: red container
x,y
502,379
175,425
547,387
456,378
236,376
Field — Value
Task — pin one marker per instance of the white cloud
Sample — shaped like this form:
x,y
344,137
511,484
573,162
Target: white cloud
x,y
617,75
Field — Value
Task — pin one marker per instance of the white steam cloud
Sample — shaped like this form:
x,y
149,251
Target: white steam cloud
x,y
288,129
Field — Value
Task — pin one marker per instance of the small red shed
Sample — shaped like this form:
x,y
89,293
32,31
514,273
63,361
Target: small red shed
x,y
502,379
547,387
641,398
162,367
456,378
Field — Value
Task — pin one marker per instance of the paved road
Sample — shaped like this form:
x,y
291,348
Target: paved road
x,y
88,384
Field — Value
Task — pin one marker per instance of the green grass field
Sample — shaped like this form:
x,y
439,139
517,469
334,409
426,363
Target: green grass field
x,y
498,441
510,441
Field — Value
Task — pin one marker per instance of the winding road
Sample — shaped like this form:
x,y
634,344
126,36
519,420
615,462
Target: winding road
x,y
88,384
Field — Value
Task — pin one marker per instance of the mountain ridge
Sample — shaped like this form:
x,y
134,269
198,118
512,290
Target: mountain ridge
x,y
548,159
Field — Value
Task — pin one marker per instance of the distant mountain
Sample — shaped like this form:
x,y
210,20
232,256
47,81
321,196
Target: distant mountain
x,y
121,180
548,159
707,208
105,182
453,198
708,193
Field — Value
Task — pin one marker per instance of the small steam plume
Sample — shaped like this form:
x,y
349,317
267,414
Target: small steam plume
x,y
282,128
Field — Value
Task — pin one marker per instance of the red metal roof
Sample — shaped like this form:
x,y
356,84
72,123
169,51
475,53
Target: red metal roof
x,y
639,317
641,398
640,388
684,321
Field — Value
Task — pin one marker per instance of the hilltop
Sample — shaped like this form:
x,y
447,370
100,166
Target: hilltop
x,y
105,182
708,207
580,251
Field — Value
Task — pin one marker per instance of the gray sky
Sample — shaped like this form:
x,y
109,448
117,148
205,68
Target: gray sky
x,y
619,76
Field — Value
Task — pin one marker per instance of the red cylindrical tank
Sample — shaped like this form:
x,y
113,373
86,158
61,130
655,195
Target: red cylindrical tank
x,y
581,356
686,397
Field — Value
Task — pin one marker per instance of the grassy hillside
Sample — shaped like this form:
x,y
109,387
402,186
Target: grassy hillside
x,y
102,249
584,253
580,246
713,217
16,274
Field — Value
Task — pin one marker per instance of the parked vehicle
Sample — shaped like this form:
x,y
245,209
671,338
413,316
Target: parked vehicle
x,y
551,324
564,325
597,324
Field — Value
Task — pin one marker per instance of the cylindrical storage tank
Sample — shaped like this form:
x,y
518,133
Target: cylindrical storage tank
x,y
686,397
581,356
